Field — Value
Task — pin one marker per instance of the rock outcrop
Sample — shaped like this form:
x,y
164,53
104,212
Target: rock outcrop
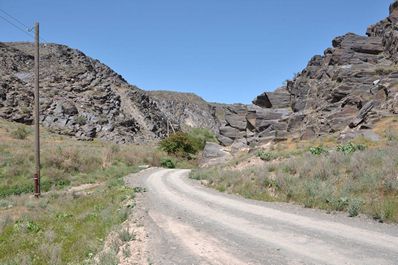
x,y
84,98
242,125
185,110
280,98
214,154
350,86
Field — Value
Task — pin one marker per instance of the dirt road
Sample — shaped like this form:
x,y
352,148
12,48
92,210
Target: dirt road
x,y
190,224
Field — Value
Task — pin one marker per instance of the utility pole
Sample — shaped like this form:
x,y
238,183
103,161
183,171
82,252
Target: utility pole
x,y
37,114
167,124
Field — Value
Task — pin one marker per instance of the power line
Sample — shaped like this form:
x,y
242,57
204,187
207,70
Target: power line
x,y
26,29
17,20
16,26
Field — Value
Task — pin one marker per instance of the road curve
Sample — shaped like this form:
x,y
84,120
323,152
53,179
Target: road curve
x,y
190,224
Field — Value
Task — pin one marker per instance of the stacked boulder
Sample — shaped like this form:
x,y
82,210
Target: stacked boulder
x,y
266,120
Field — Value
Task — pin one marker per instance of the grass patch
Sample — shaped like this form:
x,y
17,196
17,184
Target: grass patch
x,y
63,228
65,161
353,179
21,133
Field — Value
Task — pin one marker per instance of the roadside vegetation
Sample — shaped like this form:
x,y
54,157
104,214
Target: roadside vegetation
x,y
83,195
356,177
61,228
184,147
65,161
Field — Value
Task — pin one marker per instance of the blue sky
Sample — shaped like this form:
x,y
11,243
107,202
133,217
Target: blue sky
x,y
223,50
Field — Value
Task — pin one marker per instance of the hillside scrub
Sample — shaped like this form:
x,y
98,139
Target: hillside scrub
x,y
355,180
65,161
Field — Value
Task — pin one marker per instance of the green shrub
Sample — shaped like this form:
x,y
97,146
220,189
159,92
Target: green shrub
x,y
126,236
340,204
20,133
81,120
354,207
266,156
187,144
350,148
167,163
181,144
318,150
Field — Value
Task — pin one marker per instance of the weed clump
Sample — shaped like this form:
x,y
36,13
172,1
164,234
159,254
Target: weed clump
x,y
318,150
354,207
266,156
167,163
21,133
126,236
81,120
350,148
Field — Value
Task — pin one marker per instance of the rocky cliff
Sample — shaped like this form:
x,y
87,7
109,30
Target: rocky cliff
x,y
345,90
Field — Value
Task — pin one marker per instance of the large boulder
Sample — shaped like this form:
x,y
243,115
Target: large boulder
x,y
262,101
362,114
214,154
280,98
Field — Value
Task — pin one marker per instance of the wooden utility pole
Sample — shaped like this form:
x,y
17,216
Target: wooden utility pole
x,y
167,124
37,114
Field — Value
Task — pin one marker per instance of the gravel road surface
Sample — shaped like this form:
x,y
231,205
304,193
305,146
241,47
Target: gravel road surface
x,y
187,223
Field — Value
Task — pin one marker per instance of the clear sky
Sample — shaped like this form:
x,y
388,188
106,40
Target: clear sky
x,y
223,50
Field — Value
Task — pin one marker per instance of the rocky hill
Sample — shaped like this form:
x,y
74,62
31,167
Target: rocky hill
x,y
345,90
84,98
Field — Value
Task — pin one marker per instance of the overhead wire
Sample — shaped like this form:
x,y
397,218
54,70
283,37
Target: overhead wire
x,y
17,20
16,26
27,29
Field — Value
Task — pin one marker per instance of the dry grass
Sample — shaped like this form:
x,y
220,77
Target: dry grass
x,y
361,182
83,195
61,228
66,225
65,161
